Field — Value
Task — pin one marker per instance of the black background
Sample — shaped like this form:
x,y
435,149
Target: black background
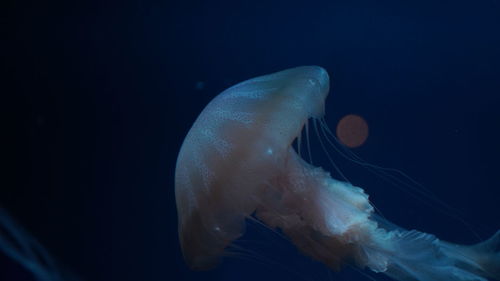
x,y
97,97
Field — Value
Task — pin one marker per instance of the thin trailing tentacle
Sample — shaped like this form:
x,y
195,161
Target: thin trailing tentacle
x,y
24,249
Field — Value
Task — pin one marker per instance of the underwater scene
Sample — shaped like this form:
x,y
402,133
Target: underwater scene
x,y
251,140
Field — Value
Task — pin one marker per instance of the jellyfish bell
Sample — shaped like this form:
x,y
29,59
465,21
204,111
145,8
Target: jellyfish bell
x,y
234,149
238,160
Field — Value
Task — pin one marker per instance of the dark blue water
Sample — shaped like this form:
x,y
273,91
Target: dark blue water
x,y
98,96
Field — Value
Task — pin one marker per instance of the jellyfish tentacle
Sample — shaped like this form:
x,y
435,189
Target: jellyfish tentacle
x,y
398,179
24,249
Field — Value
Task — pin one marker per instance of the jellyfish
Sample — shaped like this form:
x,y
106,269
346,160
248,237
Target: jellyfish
x,y
24,249
238,161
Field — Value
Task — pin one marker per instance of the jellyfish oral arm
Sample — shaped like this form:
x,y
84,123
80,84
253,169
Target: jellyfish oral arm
x,y
336,226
